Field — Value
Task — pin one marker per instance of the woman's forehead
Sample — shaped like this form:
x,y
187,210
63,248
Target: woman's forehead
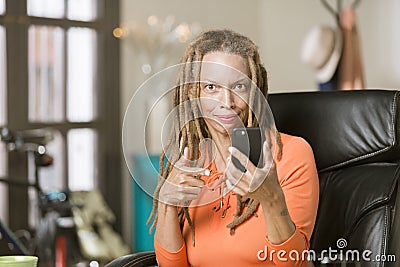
x,y
223,68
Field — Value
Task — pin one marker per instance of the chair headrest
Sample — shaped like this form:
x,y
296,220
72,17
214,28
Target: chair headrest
x,y
343,127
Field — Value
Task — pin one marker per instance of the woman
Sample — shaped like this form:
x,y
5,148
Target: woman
x,y
213,214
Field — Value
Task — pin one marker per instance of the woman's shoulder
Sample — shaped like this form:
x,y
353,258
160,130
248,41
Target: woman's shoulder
x,y
297,159
291,143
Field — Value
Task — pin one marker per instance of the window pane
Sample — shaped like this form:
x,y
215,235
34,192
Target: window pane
x,y
81,75
3,187
46,8
82,160
2,7
52,177
3,76
85,10
46,74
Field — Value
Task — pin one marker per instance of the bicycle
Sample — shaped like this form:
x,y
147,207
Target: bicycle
x,y
54,241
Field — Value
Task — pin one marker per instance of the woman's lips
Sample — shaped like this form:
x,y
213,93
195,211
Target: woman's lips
x,y
227,118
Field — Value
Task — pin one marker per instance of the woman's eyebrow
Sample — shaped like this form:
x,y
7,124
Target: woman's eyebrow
x,y
244,79
219,83
208,81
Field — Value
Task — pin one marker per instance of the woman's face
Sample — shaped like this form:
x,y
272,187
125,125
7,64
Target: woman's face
x,y
224,91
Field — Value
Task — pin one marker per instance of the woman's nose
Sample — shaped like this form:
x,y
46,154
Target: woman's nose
x,y
228,100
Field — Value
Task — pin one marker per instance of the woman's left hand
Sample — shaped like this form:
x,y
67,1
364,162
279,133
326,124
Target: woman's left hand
x,y
257,183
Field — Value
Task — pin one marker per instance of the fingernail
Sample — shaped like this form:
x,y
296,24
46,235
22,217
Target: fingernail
x,y
230,149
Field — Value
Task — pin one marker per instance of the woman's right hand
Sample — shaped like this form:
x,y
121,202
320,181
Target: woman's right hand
x,y
183,184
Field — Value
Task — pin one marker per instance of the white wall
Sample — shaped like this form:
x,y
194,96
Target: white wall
x,y
278,27
284,23
380,32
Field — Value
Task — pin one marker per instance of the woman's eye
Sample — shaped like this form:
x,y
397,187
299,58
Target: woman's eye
x,y
240,86
210,87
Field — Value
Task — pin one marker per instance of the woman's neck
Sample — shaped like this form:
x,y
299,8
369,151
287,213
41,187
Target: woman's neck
x,y
222,142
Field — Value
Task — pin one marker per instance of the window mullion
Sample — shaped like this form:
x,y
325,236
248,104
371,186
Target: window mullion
x,y
65,132
17,109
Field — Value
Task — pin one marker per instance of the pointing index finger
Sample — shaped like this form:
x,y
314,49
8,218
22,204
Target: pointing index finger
x,y
184,159
183,164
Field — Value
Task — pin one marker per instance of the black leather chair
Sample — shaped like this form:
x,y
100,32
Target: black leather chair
x,y
355,138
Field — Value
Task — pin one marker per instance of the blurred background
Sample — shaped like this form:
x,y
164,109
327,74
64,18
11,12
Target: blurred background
x,y
71,67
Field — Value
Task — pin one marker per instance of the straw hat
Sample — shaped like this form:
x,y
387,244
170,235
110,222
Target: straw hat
x,y
321,49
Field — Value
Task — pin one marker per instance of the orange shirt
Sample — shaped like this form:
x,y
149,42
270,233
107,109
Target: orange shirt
x,y
249,245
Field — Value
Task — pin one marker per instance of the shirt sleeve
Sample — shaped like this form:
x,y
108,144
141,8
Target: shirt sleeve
x,y
167,258
298,178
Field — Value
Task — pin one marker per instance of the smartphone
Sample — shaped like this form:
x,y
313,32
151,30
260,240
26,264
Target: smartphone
x,y
250,142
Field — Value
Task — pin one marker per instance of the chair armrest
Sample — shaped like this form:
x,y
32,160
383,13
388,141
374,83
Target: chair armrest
x,y
140,259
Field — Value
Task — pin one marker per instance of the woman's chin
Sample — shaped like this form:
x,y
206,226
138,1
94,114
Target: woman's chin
x,y
226,129
223,128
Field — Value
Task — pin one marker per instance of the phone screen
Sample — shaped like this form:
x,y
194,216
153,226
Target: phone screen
x,y
249,141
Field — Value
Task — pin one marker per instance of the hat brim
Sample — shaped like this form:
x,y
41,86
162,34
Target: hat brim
x,y
325,73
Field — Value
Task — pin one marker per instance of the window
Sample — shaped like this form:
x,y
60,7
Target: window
x,y
84,10
81,92
52,49
80,10
46,8
2,6
47,175
46,73
3,77
81,159
65,60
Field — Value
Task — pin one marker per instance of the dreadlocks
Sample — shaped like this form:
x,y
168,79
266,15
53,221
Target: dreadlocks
x,y
191,134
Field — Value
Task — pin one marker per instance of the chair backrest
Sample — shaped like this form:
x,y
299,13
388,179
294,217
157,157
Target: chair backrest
x,y
355,137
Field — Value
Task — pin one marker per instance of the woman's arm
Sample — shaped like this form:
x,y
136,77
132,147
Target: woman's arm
x,y
278,222
298,180
169,245
180,188
168,233
288,193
